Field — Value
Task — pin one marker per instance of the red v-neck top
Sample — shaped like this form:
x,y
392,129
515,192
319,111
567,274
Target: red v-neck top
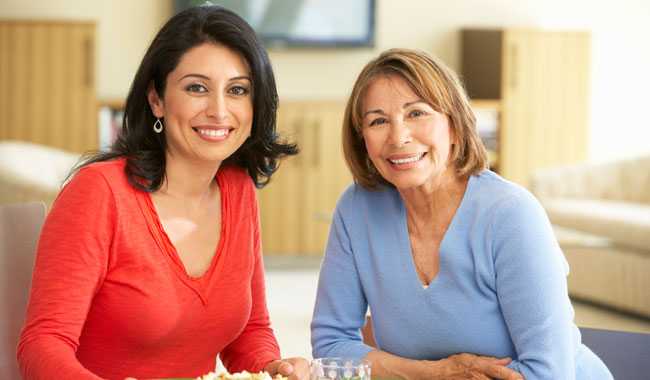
x,y
110,297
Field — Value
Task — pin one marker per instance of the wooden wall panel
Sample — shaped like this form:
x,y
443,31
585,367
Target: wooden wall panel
x,y
47,91
38,85
279,200
60,102
4,78
296,208
544,121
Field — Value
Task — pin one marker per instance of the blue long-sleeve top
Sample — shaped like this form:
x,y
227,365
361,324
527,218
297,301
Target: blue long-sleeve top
x,y
500,291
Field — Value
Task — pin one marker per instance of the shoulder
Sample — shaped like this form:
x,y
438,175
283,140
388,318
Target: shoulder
x,y
94,188
236,184
511,214
359,201
100,175
235,176
494,193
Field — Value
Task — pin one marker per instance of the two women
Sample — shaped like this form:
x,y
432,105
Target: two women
x,y
459,268
149,263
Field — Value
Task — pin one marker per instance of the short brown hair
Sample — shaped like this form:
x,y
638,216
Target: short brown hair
x,y
437,85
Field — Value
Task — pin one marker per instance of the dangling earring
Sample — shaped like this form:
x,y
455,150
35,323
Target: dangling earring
x,y
158,126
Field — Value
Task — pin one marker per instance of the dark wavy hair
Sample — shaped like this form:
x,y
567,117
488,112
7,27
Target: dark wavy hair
x,y
144,149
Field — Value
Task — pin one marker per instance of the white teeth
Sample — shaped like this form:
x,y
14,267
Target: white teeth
x,y
408,160
214,132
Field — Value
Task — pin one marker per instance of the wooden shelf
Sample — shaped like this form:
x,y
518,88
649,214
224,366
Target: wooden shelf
x,y
487,103
114,103
541,96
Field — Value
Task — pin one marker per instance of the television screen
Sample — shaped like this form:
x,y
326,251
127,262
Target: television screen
x,y
304,23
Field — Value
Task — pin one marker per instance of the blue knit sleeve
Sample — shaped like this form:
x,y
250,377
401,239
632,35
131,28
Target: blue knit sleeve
x,y
341,305
532,291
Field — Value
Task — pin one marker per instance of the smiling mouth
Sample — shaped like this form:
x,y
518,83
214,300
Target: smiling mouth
x,y
218,133
407,160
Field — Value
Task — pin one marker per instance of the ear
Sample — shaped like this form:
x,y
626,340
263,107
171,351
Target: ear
x,y
156,104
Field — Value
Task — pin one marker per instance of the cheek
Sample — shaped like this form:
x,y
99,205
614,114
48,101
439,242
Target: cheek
x,y
183,110
244,112
439,138
374,144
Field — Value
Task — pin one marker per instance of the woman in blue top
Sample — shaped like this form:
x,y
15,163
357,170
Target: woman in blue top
x,y
460,268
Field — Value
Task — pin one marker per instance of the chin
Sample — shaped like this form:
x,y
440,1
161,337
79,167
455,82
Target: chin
x,y
407,183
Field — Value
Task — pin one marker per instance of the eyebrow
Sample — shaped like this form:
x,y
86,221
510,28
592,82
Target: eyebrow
x,y
381,112
245,77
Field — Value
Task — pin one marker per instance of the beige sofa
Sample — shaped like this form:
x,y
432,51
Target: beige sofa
x,y
601,213
32,172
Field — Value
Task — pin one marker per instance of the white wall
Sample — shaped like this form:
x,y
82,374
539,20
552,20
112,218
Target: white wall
x,y
620,50
620,56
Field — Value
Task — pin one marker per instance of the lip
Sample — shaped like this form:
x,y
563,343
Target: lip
x,y
405,161
212,133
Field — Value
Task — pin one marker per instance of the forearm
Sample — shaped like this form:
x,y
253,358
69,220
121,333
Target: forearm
x,y
389,366
48,357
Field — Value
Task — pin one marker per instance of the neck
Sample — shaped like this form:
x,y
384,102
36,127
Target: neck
x,y
434,202
189,180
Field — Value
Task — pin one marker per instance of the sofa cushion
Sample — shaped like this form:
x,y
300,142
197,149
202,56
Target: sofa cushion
x,y
626,224
31,172
35,165
570,238
624,181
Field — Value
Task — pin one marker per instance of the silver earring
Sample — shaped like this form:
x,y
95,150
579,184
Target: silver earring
x,y
158,126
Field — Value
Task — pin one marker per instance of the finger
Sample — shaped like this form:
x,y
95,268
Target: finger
x,y
494,360
501,361
285,368
272,367
300,368
501,372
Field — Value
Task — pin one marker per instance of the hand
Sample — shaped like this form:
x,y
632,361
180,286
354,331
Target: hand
x,y
468,366
294,368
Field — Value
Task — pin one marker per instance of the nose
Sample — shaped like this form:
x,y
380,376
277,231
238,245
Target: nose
x,y
399,133
217,107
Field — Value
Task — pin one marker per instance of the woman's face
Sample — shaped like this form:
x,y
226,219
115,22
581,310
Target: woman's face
x,y
406,139
207,105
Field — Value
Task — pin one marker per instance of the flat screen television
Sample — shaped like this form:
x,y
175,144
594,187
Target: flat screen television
x,y
304,23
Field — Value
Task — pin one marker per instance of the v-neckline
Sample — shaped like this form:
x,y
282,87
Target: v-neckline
x,y
406,241
198,284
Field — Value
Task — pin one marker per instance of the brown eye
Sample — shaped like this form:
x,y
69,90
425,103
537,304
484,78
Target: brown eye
x,y
377,121
416,113
238,90
195,87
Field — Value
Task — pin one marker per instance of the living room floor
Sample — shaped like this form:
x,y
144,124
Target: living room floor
x,y
291,290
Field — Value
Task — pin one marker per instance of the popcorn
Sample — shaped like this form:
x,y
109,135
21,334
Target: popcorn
x,y
240,376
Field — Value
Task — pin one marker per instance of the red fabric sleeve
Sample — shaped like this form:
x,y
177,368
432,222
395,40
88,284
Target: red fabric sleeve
x,y
71,262
256,346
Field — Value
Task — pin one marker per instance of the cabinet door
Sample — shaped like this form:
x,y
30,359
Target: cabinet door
x,y
545,101
325,172
280,200
297,206
47,83
521,96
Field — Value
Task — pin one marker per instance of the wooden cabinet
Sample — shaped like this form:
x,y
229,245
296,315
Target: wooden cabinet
x,y
540,80
296,207
47,83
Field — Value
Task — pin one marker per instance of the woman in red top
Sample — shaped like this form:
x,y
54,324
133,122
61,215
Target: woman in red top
x,y
149,264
